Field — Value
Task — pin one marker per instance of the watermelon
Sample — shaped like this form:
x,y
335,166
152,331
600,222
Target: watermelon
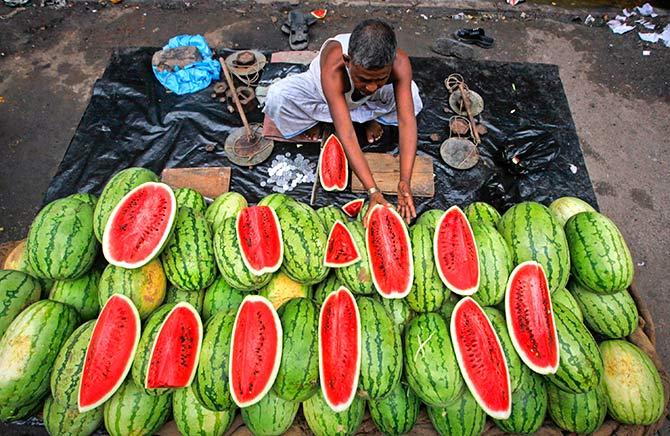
x,y
357,277
431,367
220,297
275,201
396,413
398,309
611,315
353,207
260,238
271,416
305,239
430,218
495,264
341,250
9,412
567,299
66,372
119,185
461,417
85,197
61,244
188,257
581,366
514,365
139,225
455,251
110,352
131,411
579,413
18,290
193,419
229,259
530,318
330,214
187,197
144,286
62,421
80,293
195,299
255,351
448,308
340,341
565,207
169,349
298,375
319,14
363,213
323,289
389,252
428,291
18,260
333,165
225,206
481,213
633,385
282,289
600,257
323,421
533,233
529,406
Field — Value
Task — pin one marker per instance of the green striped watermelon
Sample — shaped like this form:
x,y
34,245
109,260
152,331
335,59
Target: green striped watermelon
x,y
581,367
495,265
187,197
613,316
357,277
298,376
580,413
633,386
9,412
396,413
324,422
533,233
17,260
282,289
363,212
68,366
400,312
62,421
194,298
80,293
600,257
61,244
567,299
85,197
330,214
188,256
119,185
18,290
271,416
514,363
461,417
431,368
482,213
447,309
381,350
330,284
428,292
565,207
220,297
430,217
29,348
225,206
529,406
276,201
130,411
193,419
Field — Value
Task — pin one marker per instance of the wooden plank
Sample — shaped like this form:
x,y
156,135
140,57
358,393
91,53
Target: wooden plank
x,y
209,181
386,171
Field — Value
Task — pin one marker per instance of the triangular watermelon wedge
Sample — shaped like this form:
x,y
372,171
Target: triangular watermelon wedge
x,y
110,352
260,239
455,251
319,14
333,165
341,250
353,208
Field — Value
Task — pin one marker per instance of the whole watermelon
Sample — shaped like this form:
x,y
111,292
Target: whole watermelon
x,y
567,299
13,413
195,299
323,289
282,289
495,265
566,207
225,206
68,366
63,421
399,310
80,293
514,364
193,419
324,422
220,297
479,213
357,277
461,417
611,315
276,201
580,413
85,197
130,411
529,406
330,214
430,217
428,291
187,197
18,290
271,416
17,260
397,412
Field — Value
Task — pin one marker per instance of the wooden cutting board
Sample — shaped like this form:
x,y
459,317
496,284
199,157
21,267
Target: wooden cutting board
x,y
209,181
386,171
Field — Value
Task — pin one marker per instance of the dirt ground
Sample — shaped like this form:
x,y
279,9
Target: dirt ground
x,y
620,99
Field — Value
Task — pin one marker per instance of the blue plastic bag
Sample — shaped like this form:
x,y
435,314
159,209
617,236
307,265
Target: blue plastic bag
x,y
193,77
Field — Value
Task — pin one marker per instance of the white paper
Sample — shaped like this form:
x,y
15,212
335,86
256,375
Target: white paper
x,y
649,37
646,10
618,27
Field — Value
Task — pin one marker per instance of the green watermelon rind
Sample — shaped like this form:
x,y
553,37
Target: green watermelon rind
x,y
482,213
428,292
18,290
192,418
357,277
187,197
564,208
131,411
495,265
610,315
80,293
225,206
220,296
529,406
462,417
325,422
397,412
581,413
272,415
63,421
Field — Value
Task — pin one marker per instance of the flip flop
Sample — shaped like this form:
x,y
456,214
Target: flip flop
x,y
474,36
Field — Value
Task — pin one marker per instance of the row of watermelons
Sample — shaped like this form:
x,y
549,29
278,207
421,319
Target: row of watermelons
x,y
407,356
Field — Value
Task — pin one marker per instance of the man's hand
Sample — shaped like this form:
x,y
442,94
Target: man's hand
x,y
406,202
375,199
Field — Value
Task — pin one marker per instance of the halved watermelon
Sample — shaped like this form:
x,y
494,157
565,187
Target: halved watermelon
x,y
481,358
110,352
139,225
319,14
390,252
455,252
339,349
255,350
176,350
260,239
353,208
530,318
333,165
341,250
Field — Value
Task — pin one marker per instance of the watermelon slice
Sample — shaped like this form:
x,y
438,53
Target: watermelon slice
x,y
139,225
530,318
175,353
260,239
455,252
255,350
319,14
110,352
353,208
339,349
333,165
390,252
481,358
341,250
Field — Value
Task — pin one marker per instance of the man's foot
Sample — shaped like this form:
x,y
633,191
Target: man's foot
x,y
313,133
373,131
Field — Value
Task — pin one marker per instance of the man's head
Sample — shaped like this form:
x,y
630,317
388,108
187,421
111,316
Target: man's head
x,y
372,49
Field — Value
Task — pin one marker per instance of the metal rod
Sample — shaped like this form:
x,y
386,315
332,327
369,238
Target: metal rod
x,y
236,99
465,96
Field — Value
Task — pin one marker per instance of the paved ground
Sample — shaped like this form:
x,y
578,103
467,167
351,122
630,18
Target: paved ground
x,y
620,99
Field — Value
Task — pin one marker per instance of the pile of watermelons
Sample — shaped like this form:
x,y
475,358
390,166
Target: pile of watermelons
x,y
147,304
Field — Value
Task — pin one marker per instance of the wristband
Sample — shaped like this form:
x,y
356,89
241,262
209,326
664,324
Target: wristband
x,y
372,191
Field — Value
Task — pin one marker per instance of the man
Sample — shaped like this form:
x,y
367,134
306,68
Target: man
x,y
360,77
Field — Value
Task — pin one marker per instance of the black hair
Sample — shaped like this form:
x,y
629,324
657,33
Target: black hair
x,y
372,44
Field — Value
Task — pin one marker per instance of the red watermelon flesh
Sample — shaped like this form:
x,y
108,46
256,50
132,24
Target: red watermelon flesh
x,y
139,225
319,14
481,358
341,250
260,239
255,350
353,208
175,353
390,252
110,352
455,252
339,349
333,165
530,318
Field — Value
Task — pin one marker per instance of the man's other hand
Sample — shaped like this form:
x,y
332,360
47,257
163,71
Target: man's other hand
x,y
406,202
